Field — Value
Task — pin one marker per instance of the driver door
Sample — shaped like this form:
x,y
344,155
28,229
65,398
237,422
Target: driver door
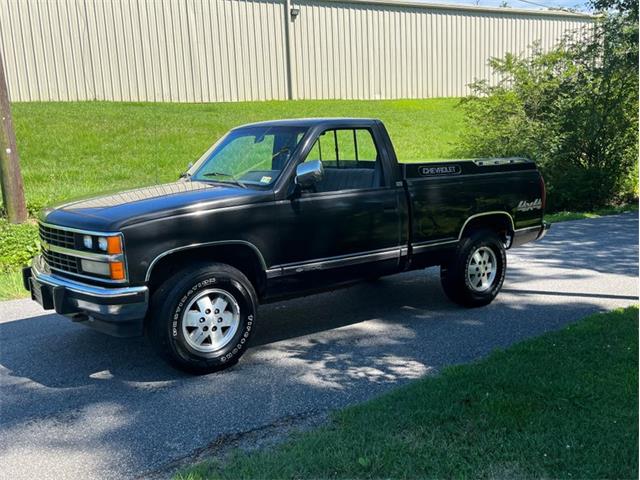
x,y
348,226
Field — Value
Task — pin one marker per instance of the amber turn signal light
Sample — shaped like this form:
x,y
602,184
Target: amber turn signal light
x,y
117,270
114,245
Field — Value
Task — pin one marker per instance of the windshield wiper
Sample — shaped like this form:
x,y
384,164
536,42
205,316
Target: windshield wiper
x,y
279,152
224,174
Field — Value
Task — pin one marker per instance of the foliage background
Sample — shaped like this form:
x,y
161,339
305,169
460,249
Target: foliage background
x,y
573,109
18,244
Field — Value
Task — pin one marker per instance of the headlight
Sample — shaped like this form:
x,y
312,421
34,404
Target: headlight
x,y
112,266
112,270
112,245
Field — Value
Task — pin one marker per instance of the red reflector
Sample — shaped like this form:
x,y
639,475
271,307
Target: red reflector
x,y
543,192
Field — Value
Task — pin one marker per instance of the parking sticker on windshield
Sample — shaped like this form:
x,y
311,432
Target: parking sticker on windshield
x,y
265,179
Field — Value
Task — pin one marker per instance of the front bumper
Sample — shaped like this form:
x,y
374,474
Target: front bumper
x,y
116,311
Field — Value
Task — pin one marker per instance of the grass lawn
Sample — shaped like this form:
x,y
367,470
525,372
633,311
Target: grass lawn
x,y
76,149
564,405
564,216
11,285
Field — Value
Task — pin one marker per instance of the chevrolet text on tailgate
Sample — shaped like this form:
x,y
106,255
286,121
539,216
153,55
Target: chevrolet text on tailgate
x,y
277,209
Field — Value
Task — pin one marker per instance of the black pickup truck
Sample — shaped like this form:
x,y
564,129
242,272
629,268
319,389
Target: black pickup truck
x,y
277,209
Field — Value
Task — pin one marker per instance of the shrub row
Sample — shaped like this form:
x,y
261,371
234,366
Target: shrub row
x,y
573,109
18,244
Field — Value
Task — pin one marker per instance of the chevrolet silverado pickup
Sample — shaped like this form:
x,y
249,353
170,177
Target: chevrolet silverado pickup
x,y
273,210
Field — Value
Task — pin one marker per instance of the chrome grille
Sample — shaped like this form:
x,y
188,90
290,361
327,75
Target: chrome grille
x,y
56,236
63,251
60,261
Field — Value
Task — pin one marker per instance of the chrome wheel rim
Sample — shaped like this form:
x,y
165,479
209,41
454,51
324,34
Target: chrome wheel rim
x,y
210,320
482,269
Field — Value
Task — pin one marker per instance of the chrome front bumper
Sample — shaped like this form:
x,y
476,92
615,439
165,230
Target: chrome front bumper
x,y
117,311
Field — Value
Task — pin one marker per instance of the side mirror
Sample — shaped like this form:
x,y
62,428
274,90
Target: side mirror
x,y
309,173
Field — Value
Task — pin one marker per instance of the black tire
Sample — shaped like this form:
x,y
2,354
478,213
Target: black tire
x,y
453,275
167,314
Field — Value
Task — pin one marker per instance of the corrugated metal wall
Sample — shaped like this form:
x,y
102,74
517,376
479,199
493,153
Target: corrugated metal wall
x,y
364,51
230,50
146,50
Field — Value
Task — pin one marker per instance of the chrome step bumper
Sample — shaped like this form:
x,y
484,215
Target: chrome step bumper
x,y
117,311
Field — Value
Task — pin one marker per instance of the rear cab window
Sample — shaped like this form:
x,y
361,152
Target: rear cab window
x,y
350,159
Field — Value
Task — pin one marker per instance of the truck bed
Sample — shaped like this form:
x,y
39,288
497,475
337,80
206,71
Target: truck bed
x,y
443,197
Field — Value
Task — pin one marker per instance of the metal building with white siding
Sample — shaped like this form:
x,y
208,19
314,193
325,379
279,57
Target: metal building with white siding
x,y
234,50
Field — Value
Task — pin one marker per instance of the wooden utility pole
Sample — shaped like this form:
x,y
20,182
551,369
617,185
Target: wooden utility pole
x,y
10,175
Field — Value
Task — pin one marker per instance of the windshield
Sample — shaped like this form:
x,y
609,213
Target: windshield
x,y
249,156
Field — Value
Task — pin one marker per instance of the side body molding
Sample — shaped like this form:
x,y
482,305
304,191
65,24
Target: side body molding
x,y
279,270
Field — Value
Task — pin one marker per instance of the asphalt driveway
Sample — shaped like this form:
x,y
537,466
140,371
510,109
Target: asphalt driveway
x,y
77,404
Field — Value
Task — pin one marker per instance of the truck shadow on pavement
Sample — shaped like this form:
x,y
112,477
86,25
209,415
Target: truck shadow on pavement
x,y
62,354
370,316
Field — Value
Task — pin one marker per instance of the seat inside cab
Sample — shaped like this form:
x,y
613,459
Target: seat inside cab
x,y
349,158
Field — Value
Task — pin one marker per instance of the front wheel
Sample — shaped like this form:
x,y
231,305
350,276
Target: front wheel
x,y
201,318
475,274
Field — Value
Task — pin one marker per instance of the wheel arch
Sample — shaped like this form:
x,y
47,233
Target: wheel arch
x,y
239,254
500,221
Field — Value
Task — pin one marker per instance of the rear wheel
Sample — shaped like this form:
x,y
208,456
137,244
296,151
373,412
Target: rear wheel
x,y
475,274
202,317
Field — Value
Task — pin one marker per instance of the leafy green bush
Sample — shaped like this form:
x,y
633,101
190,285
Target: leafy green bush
x,y
18,244
573,109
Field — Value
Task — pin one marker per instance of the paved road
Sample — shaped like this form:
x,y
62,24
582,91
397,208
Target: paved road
x,y
77,404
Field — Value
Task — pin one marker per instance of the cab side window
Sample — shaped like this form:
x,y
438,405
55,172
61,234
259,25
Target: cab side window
x,y
350,160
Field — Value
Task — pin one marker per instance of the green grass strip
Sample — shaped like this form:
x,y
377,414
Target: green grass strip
x,y
11,285
565,216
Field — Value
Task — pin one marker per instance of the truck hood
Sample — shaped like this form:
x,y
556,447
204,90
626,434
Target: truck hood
x,y
112,212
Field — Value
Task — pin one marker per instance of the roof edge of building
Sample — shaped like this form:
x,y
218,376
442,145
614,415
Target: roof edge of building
x,y
469,8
